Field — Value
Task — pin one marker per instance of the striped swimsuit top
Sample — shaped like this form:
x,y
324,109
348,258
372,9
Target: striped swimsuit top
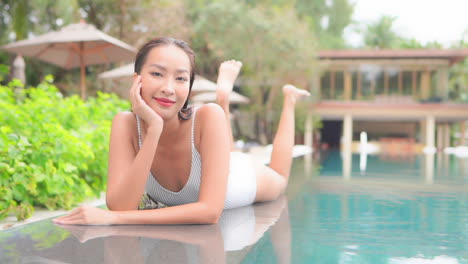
x,y
189,193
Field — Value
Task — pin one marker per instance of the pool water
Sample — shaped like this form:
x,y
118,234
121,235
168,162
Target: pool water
x,y
387,212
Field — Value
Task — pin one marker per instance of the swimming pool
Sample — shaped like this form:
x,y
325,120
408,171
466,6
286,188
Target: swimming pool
x,y
396,209
389,212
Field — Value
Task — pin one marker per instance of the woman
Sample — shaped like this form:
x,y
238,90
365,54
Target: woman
x,y
179,156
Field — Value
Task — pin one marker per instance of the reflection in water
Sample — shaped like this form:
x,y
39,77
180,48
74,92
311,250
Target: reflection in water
x,y
363,161
429,167
347,158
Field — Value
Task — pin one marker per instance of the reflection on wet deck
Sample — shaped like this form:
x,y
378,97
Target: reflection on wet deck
x,y
45,242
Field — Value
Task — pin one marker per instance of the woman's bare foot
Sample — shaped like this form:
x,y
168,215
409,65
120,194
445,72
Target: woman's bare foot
x,y
228,71
292,94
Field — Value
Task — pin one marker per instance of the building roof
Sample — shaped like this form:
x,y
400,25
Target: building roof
x,y
453,55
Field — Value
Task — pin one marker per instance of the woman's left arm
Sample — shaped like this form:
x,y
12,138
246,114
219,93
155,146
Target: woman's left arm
x,y
214,148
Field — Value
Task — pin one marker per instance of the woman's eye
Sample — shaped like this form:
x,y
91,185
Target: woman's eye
x,y
156,74
182,79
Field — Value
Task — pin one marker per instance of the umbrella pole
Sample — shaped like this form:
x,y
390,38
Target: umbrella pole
x,y
82,73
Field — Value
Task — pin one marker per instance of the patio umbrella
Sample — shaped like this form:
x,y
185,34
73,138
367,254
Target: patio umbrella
x,y
76,45
200,84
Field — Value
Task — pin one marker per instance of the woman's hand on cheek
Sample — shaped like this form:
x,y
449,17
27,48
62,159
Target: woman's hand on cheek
x,y
141,108
86,215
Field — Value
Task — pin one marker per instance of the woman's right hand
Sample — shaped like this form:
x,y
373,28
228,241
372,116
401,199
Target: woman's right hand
x,y
141,108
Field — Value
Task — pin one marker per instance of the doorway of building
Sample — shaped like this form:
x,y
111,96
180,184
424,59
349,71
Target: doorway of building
x,y
331,133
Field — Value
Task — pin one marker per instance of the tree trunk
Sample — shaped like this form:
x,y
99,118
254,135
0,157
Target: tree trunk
x,y
121,18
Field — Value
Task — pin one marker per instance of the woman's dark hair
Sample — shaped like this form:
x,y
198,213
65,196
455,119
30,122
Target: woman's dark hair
x,y
140,60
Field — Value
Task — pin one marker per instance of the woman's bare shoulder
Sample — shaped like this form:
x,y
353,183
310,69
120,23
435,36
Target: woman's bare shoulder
x,y
124,128
208,116
124,118
210,111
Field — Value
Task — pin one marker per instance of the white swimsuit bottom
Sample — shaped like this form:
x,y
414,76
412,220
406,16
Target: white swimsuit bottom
x,y
242,181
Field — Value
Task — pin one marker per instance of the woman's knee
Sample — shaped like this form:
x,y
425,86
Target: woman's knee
x,y
270,186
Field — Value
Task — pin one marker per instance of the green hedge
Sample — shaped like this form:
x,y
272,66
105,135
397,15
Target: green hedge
x,y
53,150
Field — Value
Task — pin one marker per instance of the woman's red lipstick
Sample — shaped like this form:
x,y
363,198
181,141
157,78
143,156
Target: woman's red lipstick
x,y
164,101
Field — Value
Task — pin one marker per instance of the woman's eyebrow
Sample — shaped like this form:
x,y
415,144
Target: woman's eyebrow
x,y
158,66
181,70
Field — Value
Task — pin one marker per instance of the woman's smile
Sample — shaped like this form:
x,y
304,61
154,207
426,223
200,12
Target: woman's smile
x,y
164,101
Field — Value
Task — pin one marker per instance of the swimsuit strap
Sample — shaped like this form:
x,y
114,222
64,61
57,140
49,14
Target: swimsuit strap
x,y
139,131
193,126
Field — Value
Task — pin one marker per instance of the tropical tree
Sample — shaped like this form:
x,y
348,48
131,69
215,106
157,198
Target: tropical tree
x,y
326,18
381,34
273,51
329,20
458,76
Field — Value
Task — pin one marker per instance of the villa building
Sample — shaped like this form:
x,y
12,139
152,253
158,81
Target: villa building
x,y
399,97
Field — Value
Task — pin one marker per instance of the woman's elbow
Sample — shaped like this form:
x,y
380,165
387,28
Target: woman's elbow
x,y
212,215
213,219
113,205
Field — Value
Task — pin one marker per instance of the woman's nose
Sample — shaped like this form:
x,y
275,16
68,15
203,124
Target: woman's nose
x,y
168,88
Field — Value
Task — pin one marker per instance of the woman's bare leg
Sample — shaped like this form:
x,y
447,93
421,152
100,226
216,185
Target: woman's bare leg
x,y
272,180
283,143
227,74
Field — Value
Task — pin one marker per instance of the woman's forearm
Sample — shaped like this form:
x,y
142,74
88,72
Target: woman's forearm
x,y
193,213
127,192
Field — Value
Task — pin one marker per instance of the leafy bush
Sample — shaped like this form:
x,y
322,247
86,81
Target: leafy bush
x,y
53,150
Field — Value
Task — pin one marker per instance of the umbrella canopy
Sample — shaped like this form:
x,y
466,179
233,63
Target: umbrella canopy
x,y
234,98
120,72
200,84
76,45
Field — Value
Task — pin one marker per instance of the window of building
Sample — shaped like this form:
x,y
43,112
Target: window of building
x,y
407,82
392,78
369,76
325,85
380,83
339,85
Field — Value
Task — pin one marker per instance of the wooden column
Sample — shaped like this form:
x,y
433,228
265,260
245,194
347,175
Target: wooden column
x,y
425,85
348,84
430,131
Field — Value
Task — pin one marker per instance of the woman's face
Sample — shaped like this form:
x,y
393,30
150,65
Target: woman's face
x,y
165,80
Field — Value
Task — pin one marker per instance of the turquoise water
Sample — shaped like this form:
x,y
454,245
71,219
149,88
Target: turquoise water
x,y
396,210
